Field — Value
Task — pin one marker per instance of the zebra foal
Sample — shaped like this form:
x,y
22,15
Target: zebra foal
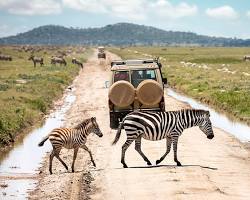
x,y
160,125
71,138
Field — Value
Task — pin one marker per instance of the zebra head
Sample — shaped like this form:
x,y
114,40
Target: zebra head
x,y
206,126
95,127
31,57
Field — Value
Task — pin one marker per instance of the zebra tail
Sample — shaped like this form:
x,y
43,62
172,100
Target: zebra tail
x,y
118,133
43,140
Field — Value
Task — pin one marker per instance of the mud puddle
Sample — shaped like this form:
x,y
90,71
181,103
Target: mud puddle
x,y
19,167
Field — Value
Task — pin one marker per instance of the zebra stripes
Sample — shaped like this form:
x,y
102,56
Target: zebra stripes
x,y
160,125
71,138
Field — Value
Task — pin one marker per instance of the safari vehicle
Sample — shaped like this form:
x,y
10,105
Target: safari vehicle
x,y
135,85
101,53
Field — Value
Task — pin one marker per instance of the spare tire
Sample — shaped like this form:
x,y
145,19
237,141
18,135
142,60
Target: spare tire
x,y
122,93
149,92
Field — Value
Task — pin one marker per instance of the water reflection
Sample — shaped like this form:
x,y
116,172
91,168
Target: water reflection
x,y
26,157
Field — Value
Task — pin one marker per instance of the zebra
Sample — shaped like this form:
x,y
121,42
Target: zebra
x,y
36,60
5,57
61,61
160,125
247,57
71,138
75,61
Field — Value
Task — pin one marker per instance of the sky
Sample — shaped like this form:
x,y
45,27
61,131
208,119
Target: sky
x,y
226,18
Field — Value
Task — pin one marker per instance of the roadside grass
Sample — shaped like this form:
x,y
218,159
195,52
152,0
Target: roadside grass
x,y
27,93
223,83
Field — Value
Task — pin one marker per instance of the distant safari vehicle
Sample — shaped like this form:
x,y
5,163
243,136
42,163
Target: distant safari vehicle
x,y
135,85
101,52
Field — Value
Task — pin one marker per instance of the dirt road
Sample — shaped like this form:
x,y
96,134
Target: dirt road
x,y
212,169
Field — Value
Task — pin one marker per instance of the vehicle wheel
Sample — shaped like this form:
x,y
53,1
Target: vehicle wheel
x,y
114,122
149,92
124,98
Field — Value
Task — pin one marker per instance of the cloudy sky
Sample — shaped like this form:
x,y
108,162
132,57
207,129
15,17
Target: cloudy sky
x,y
228,18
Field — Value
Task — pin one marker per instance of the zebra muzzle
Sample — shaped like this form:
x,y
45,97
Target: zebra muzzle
x,y
210,137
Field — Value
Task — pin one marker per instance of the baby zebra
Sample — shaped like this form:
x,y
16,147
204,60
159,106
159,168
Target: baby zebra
x,y
77,62
36,60
71,138
160,125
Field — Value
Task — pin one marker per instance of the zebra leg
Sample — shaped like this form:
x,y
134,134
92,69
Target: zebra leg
x,y
63,163
74,159
50,160
168,150
90,154
175,143
124,149
138,149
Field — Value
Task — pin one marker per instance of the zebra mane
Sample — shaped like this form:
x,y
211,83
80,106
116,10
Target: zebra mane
x,y
198,111
83,123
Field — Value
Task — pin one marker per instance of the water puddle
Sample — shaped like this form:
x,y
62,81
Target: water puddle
x,y
239,130
19,167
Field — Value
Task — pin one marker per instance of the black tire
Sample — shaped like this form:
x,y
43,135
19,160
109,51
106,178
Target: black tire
x,y
114,121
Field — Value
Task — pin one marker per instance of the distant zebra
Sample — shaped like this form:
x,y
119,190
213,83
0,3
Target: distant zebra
x,y
5,57
247,57
71,138
36,60
61,61
77,62
159,125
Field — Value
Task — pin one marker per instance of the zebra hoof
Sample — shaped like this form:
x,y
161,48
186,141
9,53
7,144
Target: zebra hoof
x,y
178,164
94,164
125,166
157,162
149,163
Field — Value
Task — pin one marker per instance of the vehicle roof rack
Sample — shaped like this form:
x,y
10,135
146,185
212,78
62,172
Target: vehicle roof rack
x,y
136,61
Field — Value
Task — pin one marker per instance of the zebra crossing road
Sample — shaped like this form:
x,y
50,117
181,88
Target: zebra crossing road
x,y
212,169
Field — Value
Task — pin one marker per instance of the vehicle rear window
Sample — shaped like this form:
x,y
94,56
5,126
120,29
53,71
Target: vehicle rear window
x,y
137,76
121,75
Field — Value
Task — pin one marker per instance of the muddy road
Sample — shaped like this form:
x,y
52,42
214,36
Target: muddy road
x,y
212,169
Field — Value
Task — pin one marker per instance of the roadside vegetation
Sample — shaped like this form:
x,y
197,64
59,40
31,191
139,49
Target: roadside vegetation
x,y
216,76
27,93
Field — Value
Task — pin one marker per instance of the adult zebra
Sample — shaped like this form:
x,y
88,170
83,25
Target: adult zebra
x,y
71,138
159,125
36,60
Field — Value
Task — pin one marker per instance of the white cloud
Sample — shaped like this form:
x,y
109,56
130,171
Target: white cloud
x,y
164,8
248,13
31,7
134,9
223,12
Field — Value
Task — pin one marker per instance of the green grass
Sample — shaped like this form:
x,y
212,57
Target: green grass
x,y
27,93
224,91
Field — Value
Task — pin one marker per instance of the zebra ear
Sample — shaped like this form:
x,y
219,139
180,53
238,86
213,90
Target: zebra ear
x,y
93,118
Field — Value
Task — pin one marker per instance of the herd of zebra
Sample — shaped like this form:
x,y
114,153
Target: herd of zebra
x,y
54,60
137,125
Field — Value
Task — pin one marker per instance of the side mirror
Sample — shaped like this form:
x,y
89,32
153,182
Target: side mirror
x,y
107,84
165,80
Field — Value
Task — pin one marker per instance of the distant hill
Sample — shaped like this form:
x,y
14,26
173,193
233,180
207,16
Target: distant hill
x,y
117,34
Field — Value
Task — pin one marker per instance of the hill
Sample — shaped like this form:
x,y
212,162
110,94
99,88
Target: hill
x,y
116,34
